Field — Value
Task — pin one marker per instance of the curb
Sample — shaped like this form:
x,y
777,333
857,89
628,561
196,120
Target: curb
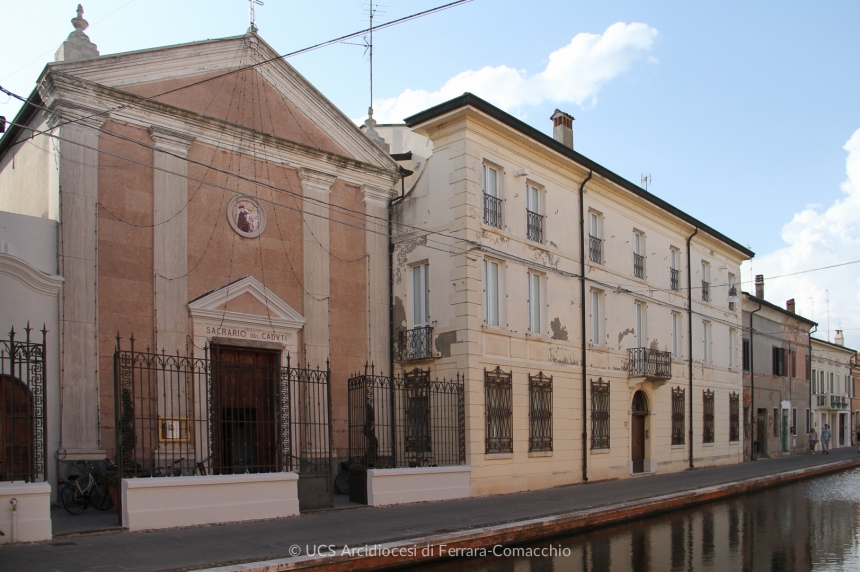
x,y
426,549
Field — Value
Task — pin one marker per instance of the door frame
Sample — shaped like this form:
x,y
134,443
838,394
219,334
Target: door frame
x,y
639,413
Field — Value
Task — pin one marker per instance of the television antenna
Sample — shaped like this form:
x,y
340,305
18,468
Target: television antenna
x,y
252,15
646,180
368,49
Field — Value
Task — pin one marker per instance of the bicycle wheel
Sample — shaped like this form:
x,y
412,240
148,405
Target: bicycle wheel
x,y
341,483
71,501
100,497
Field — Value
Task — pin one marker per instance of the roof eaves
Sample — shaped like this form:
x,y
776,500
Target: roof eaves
x,y
24,115
469,99
776,308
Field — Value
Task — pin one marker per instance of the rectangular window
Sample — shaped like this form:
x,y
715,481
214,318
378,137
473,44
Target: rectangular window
x,y
775,422
678,409
535,308
746,421
706,282
808,421
498,409
638,255
595,238
706,342
540,412
814,383
599,414
492,202
420,295
778,361
732,285
794,421
674,272
676,342
830,381
708,416
731,348
534,214
595,318
746,354
734,417
491,293
640,325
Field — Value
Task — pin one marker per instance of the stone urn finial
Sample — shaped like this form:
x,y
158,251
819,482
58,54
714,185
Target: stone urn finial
x,y
79,23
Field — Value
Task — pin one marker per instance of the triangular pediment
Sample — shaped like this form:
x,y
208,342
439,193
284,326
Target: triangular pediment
x,y
291,106
246,299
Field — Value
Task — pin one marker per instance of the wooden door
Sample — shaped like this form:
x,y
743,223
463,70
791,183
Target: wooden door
x,y
761,433
638,449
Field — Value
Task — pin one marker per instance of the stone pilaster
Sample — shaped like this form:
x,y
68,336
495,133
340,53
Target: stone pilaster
x,y
170,238
376,247
316,188
78,263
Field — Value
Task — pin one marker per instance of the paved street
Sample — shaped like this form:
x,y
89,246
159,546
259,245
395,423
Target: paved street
x,y
197,547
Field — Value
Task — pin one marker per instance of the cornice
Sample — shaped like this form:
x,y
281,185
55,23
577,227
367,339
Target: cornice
x,y
376,196
21,270
170,140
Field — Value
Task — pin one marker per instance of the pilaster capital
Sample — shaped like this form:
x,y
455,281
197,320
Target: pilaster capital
x,y
376,196
65,113
170,140
318,181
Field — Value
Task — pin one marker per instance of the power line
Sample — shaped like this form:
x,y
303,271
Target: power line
x,y
806,271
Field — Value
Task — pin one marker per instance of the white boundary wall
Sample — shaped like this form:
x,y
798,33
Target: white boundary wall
x,y
169,502
396,486
33,518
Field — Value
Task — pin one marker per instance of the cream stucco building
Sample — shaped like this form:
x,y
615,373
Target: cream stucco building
x,y
831,388
577,304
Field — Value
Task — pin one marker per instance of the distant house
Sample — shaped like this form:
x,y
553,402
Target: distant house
x,y
832,388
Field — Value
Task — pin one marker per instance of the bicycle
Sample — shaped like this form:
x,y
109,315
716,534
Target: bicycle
x,y
341,481
170,470
200,467
77,493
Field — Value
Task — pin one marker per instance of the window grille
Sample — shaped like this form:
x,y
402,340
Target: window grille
x,y
678,402
706,291
493,210
540,412
708,421
599,414
674,278
638,266
534,224
734,414
499,411
595,249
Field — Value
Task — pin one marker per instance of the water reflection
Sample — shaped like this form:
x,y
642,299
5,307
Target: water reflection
x,y
806,526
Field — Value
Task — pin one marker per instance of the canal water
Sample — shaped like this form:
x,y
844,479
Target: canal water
x,y
806,526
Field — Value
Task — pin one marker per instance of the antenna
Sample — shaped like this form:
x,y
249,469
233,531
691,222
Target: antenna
x,y
371,11
252,15
827,294
646,180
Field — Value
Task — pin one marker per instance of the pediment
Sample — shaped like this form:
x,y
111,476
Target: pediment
x,y
292,98
246,300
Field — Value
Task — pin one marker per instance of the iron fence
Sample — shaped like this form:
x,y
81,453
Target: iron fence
x,y
408,421
540,412
493,210
599,414
234,410
649,363
23,454
534,226
415,344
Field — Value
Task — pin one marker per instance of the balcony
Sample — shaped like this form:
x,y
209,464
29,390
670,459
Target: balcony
x,y
638,266
534,226
838,402
706,291
674,279
415,344
492,210
653,365
595,249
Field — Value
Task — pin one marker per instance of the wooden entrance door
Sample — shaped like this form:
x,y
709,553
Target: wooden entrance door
x,y
16,436
761,433
637,437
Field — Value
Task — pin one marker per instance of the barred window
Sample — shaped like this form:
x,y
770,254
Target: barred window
x,y
599,414
498,409
678,423
708,421
540,412
734,417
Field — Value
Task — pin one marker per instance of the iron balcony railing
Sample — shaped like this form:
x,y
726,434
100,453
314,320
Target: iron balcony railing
x,y
415,344
674,278
654,364
493,210
595,249
639,266
534,226
706,291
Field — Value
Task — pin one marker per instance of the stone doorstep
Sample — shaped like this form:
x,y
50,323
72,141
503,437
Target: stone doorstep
x,y
531,529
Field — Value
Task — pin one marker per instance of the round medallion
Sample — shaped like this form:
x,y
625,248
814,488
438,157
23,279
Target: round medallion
x,y
246,216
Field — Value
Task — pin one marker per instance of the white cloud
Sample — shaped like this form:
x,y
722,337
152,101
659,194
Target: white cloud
x,y
818,238
574,74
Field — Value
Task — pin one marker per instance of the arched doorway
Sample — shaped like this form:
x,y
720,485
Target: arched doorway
x,y
637,433
16,430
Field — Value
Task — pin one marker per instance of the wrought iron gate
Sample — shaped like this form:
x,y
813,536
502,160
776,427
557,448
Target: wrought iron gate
x,y
23,455
234,410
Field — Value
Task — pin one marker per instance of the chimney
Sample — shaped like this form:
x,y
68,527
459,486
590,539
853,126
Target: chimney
x,y
562,128
839,340
789,305
759,286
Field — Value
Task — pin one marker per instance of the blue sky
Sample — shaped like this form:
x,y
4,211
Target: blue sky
x,y
742,112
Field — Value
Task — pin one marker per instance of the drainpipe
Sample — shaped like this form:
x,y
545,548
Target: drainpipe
x,y
582,315
391,204
753,410
690,338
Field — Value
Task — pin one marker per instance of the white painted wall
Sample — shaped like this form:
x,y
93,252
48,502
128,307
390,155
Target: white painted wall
x,y
397,486
170,502
33,514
